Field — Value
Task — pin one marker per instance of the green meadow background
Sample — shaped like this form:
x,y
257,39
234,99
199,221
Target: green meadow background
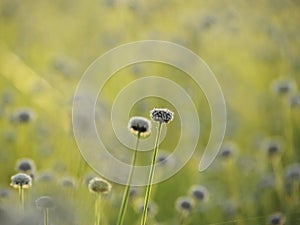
x,y
251,46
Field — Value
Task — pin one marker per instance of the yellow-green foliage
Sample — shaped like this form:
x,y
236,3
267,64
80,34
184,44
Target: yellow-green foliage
x,y
45,47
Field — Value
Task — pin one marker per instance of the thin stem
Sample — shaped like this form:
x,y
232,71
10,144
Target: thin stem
x,y
21,195
98,209
277,170
182,219
295,193
127,189
151,175
46,221
288,129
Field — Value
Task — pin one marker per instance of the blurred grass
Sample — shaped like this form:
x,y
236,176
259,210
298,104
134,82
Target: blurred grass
x,y
45,46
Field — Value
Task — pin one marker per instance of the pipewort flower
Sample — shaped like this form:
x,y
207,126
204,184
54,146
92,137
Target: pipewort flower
x,y
141,127
277,219
21,181
160,115
184,205
45,203
199,193
26,166
99,187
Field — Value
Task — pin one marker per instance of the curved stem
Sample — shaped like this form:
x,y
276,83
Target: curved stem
x,y
127,189
151,175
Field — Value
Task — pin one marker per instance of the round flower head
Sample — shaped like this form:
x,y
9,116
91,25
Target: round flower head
x,y
161,115
67,182
98,185
283,87
293,172
266,182
229,208
44,202
199,193
295,101
276,219
228,150
4,193
21,180
45,176
139,126
25,165
184,204
134,191
23,116
273,147
139,207
164,159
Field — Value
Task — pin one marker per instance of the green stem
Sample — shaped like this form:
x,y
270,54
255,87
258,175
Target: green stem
x,y
127,189
151,175
182,219
288,129
277,170
21,195
98,209
45,216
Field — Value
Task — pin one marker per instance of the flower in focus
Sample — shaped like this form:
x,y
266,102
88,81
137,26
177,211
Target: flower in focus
x,y
21,180
161,115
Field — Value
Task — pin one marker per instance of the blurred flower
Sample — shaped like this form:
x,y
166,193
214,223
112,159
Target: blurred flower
x,y
44,202
292,178
139,207
165,159
273,146
266,182
228,150
25,165
65,66
45,176
294,100
10,136
283,87
4,193
139,126
133,192
199,193
277,219
229,208
161,115
208,21
21,180
67,182
293,172
23,115
184,204
7,97
99,185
